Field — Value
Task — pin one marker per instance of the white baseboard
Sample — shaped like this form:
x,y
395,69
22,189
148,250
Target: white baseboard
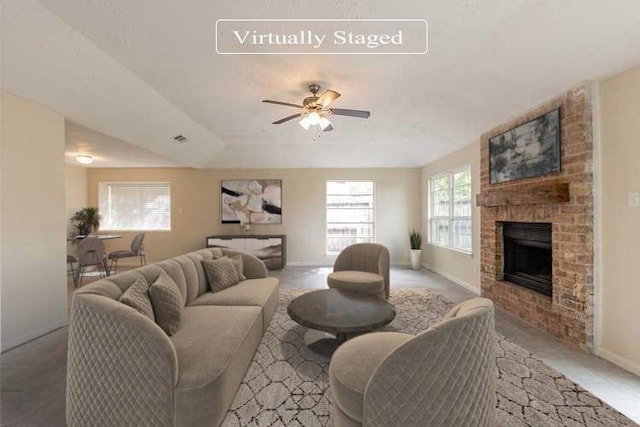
x,y
330,264
454,279
620,361
36,333
308,264
401,264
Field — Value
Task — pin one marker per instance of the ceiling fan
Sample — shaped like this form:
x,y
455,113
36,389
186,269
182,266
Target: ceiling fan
x,y
315,109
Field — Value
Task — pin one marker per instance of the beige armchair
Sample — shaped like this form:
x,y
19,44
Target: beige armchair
x,y
362,267
442,377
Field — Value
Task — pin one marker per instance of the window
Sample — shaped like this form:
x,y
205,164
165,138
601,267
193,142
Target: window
x,y
450,210
135,205
350,214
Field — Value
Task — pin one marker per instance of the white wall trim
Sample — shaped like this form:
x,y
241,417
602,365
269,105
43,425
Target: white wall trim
x,y
330,264
308,264
36,333
401,264
620,361
598,276
454,279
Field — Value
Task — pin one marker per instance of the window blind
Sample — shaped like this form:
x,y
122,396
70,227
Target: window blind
x,y
350,213
135,205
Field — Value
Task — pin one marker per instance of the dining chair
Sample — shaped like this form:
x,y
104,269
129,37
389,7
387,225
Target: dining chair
x,y
70,261
136,250
90,253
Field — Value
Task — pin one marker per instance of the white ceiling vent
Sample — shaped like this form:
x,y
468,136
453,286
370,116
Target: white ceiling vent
x,y
179,139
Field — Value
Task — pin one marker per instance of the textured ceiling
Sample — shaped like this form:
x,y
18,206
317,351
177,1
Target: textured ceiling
x,y
107,151
146,70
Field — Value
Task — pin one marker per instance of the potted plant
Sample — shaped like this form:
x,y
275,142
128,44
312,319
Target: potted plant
x,y
86,220
415,238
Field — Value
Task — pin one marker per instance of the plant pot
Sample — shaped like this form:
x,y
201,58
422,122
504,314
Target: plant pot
x,y
416,259
84,229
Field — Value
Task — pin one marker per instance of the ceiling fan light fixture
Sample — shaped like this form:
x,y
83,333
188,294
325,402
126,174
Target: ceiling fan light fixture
x,y
324,123
305,122
314,110
314,118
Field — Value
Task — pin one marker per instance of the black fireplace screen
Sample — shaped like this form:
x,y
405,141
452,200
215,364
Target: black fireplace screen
x,y
527,255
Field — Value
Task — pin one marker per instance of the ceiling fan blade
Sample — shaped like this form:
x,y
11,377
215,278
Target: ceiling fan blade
x,y
327,98
286,119
328,128
281,103
353,113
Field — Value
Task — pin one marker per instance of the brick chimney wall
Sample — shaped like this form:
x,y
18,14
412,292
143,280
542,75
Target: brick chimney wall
x,y
569,313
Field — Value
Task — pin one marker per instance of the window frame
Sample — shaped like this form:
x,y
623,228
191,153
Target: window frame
x,y
105,184
450,218
326,208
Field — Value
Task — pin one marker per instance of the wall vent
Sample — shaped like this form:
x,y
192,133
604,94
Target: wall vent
x,y
179,139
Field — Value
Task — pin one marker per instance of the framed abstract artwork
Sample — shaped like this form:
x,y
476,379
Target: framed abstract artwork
x,y
251,201
526,151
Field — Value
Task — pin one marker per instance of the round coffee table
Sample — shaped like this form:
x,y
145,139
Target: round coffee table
x,y
340,313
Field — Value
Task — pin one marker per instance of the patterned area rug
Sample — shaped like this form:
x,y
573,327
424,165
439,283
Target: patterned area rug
x,y
287,384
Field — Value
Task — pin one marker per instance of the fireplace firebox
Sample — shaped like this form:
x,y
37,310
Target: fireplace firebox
x,y
527,255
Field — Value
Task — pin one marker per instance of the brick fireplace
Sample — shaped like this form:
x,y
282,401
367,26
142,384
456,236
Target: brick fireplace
x,y
562,201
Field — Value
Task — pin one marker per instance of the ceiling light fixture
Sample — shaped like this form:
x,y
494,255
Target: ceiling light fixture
x,y
314,119
305,122
324,123
85,159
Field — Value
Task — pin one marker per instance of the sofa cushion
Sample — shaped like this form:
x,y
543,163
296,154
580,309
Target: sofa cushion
x,y
221,273
176,272
359,281
167,302
252,292
237,263
123,280
196,258
214,347
190,276
252,267
137,297
353,364
151,272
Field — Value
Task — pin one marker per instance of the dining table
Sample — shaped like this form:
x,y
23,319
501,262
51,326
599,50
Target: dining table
x,y
99,236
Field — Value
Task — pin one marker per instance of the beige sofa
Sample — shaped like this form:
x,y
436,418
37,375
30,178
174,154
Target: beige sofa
x,y
124,370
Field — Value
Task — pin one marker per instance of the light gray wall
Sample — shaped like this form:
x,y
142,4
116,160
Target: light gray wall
x,y
195,200
619,283
462,268
33,242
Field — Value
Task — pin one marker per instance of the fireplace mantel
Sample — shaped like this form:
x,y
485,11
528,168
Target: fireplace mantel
x,y
544,192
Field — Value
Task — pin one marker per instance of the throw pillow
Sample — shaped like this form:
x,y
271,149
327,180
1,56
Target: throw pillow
x,y
168,304
237,263
137,297
221,273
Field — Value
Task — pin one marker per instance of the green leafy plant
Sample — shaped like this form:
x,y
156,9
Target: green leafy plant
x,y
86,220
415,238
